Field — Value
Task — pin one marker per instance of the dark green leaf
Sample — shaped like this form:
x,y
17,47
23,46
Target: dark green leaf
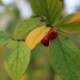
x,y
48,8
64,57
24,26
19,59
4,37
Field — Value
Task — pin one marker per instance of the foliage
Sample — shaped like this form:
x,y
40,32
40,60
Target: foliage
x,y
64,58
63,55
18,60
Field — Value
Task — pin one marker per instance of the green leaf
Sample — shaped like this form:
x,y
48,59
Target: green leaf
x,y
64,57
70,23
48,8
19,59
24,26
4,37
70,28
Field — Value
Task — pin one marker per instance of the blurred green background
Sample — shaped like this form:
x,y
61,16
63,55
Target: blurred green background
x,y
11,11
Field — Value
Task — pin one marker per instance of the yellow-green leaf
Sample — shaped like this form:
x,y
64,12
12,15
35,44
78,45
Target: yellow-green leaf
x,y
75,18
70,23
25,26
18,60
35,36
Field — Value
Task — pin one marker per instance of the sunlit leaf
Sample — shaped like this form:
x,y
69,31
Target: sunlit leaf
x,y
35,36
64,57
70,23
19,59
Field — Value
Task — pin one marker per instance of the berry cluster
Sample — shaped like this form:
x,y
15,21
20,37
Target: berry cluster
x,y
52,34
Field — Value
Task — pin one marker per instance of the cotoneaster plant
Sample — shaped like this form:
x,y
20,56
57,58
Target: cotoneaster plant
x,y
49,27
52,34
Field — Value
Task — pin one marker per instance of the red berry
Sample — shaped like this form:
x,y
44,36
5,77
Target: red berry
x,y
45,41
53,34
